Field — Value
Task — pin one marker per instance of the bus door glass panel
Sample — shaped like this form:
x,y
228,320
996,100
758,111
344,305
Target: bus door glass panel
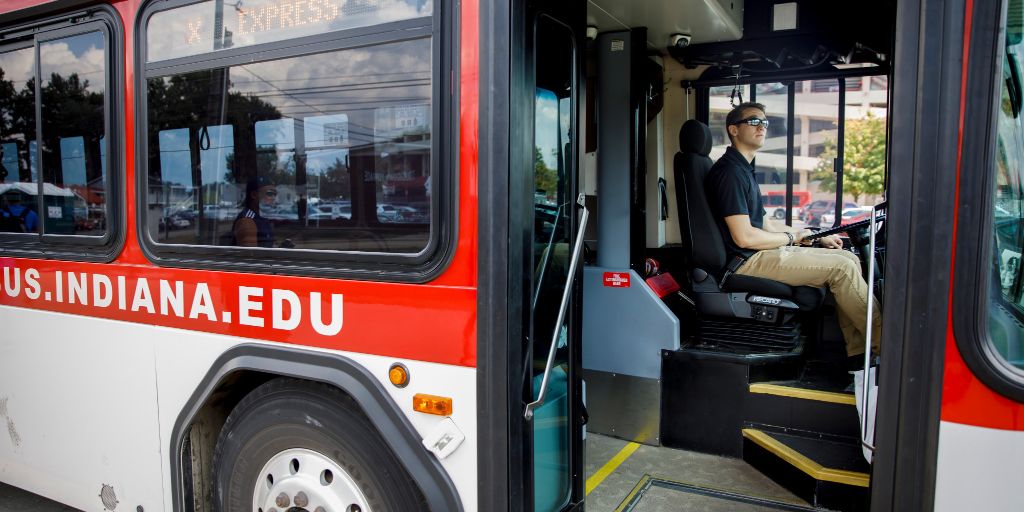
x,y
816,136
339,136
73,87
18,185
553,208
816,146
1006,291
864,144
771,159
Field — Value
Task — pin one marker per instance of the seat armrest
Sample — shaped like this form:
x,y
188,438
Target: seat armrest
x,y
703,282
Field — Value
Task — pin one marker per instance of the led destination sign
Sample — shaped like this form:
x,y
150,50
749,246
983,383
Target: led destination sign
x,y
196,29
291,14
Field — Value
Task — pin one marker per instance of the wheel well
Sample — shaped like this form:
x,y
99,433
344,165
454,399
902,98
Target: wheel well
x,y
200,440
201,437
242,369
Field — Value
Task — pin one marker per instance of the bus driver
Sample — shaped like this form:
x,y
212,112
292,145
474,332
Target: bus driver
x,y
773,251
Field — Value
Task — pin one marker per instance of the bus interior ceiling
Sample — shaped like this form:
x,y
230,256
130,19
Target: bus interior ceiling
x,y
657,387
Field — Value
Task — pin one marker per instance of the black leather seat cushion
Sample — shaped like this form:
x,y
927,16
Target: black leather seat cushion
x,y
808,298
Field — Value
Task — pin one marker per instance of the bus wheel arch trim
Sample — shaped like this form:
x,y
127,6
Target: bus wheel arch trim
x,y
394,428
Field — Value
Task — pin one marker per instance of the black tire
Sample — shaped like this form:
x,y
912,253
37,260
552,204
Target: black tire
x,y
778,214
285,414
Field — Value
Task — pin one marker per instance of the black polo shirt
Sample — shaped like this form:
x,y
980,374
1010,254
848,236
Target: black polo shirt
x,y
731,189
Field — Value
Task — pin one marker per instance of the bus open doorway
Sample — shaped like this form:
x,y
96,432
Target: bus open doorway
x,y
749,406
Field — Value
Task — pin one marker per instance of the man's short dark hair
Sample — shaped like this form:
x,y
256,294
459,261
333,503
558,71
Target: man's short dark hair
x,y
736,114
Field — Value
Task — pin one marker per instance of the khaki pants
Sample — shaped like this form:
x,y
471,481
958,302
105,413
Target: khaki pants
x,y
838,270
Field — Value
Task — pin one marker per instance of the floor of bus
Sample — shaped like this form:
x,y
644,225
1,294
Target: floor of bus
x,y
625,476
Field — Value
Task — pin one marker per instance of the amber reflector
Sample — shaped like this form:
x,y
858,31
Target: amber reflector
x,y
430,404
398,375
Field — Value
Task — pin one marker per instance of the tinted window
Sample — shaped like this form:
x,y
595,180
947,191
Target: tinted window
x,y
73,198
325,152
73,80
216,25
1006,294
19,187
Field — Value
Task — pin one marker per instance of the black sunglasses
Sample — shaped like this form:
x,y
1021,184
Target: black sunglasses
x,y
754,121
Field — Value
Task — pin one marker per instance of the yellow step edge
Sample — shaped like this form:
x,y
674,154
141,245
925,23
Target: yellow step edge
x,y
806,394
641,485
801,462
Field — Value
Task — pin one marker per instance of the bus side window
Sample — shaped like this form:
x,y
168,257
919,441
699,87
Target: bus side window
x,y
1006,293
73,85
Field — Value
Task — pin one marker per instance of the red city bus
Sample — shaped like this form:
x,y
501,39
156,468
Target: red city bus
x,y
349,255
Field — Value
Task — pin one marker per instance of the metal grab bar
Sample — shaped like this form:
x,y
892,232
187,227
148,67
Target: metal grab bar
x,y
561,311
866,381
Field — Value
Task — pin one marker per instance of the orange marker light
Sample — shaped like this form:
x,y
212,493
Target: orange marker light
x,y
399,375
430,404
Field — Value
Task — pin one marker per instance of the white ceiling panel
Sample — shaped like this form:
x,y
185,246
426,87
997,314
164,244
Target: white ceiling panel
x,y
707,21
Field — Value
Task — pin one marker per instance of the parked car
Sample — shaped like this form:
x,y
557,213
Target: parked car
x,y
386,213
850,215
411,215
814,211
335,211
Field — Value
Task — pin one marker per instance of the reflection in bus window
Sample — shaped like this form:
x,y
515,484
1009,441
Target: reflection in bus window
x,y
18,188
341,138
195,29
1006,291
73,84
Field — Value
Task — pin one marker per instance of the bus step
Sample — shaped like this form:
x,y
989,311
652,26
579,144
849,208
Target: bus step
x,y
827,471
795,405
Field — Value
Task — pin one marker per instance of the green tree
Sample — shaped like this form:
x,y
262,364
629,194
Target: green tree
x,y
544,178
864,159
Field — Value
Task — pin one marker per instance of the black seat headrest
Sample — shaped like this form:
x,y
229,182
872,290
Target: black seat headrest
x,y
695,137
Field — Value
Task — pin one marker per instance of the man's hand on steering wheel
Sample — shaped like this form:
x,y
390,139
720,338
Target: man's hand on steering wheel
x,y
828,242
801,237
831,242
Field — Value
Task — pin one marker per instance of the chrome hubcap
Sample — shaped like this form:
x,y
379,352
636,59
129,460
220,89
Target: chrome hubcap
x,y
301,480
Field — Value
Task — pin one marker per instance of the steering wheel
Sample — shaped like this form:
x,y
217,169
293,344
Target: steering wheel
x,y
846,228
860,240
859,232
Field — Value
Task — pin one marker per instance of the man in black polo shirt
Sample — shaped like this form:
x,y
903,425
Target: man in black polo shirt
x,y
772,251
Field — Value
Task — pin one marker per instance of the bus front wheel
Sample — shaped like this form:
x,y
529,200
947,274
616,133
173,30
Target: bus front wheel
x,y
296,445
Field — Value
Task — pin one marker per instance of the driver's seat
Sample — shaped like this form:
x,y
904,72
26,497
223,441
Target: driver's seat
x,y
733,310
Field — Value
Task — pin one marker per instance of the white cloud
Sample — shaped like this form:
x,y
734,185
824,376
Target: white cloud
x,y
88,63
17,66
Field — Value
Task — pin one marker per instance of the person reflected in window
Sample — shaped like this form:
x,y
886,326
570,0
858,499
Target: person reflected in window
x,y
16,217
252,229
302,206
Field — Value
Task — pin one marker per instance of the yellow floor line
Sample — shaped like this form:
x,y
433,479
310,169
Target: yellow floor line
x,y
610,466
